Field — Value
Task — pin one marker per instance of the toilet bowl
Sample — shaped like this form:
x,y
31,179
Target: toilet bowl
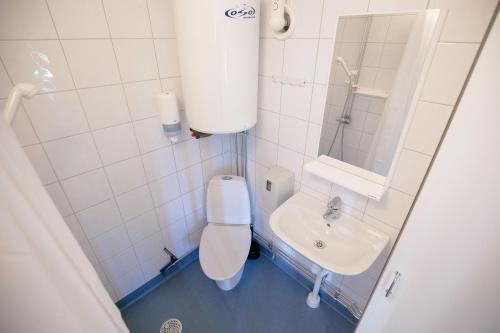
x,y
225,241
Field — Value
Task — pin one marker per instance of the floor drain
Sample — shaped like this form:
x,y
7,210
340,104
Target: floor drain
x,y
172,325
319,244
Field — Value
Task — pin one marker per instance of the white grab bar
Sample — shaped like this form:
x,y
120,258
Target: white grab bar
x,y
20,90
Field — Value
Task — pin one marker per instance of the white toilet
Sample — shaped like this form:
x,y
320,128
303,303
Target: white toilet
x,y
226,239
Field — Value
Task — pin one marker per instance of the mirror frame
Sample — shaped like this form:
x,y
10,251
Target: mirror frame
x,y
359,180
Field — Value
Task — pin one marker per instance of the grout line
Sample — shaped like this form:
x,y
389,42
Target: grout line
x,y
433,102
77,38
383,222
135,188
280,108
416,151
93,140
90,131
147,185
66,197
312,94
49,92
172,145
295,38
133,128
154,42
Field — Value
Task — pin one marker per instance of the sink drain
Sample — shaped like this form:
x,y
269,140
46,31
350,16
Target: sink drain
x,y
319,244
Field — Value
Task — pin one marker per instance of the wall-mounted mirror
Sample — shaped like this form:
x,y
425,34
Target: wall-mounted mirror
x,y
378,63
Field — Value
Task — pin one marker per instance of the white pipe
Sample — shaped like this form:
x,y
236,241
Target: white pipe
x,y
313,298
20,90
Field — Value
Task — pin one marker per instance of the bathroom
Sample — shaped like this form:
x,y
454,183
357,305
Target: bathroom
x,y
255,166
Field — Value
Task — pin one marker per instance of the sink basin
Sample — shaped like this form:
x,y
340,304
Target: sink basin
x,y
347,247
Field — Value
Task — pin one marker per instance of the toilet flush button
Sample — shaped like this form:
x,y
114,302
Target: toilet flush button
x,y
227,178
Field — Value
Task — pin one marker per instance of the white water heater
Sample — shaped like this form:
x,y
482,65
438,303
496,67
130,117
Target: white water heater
x,y
218,47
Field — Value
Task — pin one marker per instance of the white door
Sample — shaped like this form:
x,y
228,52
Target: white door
x,y
449,251
47,284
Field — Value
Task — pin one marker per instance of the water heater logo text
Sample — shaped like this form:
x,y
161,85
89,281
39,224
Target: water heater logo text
x,y
241,11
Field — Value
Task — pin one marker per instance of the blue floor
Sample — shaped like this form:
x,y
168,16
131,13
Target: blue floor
x,y
265,300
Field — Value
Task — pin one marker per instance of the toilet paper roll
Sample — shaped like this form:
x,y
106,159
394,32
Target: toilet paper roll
x,y
166,103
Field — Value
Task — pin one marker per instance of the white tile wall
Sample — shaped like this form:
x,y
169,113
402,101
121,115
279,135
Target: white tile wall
x,y
104,106
165,189
136,59
56,115
72,155
79,19
75,228
99,53
40,62
120,264
59,198
99,149
162,19
170,212
142,226
149,135
128,19
4,84
272,142
92,44
110,243
159,163
25,20
427,127
300,58
140,97
87,189
267,123
41,163
116,143
190,178
295,101
446,77
477,16
293,133
168,64
126,175
99,218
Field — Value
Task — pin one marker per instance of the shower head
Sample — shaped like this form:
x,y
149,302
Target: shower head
x,y
351,73
341,61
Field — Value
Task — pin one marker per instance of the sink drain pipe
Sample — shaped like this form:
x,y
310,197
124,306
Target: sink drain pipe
x,y
313,298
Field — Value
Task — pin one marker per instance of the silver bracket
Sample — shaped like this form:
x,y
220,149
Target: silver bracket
x,y
388,289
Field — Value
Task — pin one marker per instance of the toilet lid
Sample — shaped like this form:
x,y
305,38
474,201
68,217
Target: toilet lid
x,y
224,249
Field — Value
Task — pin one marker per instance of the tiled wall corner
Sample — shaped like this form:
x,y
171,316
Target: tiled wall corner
x,y
93,133
282,107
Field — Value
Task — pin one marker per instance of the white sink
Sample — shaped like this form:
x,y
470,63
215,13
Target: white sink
x,y
347,247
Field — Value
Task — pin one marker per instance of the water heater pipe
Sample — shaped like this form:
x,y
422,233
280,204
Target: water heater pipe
x,y
20,90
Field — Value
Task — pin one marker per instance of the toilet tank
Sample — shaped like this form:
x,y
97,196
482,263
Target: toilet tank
x,y
228,201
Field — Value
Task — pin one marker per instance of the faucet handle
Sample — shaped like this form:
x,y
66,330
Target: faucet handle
x,y
335,203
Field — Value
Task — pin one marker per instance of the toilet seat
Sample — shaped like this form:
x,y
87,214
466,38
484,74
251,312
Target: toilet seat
x,y
224,249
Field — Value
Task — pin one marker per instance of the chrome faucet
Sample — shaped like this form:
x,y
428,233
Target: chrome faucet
x,y
333,210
